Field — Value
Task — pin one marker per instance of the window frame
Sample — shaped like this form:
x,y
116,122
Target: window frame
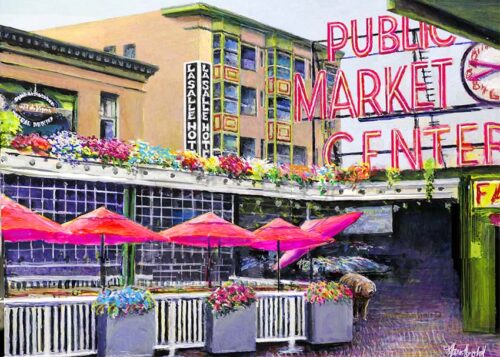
x,y
251,47
254,113
107,96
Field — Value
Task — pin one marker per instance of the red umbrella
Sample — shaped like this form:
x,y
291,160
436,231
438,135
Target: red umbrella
x,y
102,226
327,227
280,235
20,224
117,229
209,230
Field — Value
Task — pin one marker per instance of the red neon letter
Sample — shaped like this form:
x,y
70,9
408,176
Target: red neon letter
x,y
417,86
489,144
392,90
330,142
441,66
423,35
389,34
438,41
300,100
369,38
368,98
436,132
398,142
464,147
479,192
367,152
341,83
407,44
332,46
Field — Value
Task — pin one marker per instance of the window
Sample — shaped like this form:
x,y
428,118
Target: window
x,y
300,67
129,50
110,49
109,116
299,155
248,58
230,146
247,147
261,98
248,101
217,102
331,73
282,107
230,98
283,66
231,47
283,153
216,47
261,57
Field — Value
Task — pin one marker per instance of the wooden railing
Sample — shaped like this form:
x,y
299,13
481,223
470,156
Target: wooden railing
x,y
67,326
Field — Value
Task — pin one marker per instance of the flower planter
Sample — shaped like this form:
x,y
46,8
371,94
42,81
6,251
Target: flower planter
x,y
330,322
131,335
231,333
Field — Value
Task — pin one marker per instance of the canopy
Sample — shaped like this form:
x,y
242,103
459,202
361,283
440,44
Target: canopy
x,y
289,236
327,227
20,224
117,229
208,230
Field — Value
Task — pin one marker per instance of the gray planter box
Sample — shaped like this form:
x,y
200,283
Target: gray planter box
x,y
233,333
131,335
330,322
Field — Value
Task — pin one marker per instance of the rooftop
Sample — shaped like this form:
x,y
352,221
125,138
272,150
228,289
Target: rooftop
x,y
28,43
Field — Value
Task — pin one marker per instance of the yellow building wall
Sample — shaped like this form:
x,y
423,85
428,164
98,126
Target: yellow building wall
x,y
169,43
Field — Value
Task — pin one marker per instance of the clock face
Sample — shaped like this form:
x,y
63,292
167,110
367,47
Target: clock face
x,y
481,73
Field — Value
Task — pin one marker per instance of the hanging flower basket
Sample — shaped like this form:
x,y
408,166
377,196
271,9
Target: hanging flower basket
x,y
230,320
328,313
126,322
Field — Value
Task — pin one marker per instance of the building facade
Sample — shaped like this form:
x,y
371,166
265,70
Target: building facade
x,y
252,75
52,85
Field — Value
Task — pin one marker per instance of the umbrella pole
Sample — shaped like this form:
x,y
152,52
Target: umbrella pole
x,y
209,281
278,262
219,263
103,268
310,265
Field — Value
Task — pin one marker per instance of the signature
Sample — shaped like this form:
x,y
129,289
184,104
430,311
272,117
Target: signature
x,y
452,350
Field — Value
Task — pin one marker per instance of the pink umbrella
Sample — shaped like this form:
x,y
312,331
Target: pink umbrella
x,y
327,227
102,226
209,230
495,219
20,224
280,235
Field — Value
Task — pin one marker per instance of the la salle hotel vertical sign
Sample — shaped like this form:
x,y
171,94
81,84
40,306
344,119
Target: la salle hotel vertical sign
x,y
197,107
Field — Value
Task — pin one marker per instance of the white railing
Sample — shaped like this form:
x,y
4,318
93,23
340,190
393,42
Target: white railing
x,y
181,319
67,326
49,326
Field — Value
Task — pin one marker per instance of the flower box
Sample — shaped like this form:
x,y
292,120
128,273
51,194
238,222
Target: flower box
x,y
230,319
328,313
132,335
330,322
234,332
126,322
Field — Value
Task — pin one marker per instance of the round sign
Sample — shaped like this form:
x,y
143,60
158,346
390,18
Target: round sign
x,y
481,73
34,109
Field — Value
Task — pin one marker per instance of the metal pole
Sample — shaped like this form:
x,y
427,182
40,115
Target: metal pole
x,y
219,262
103,268
278,262
313,124
209,281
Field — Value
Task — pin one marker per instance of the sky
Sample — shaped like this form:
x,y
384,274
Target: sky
x,y
306,18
